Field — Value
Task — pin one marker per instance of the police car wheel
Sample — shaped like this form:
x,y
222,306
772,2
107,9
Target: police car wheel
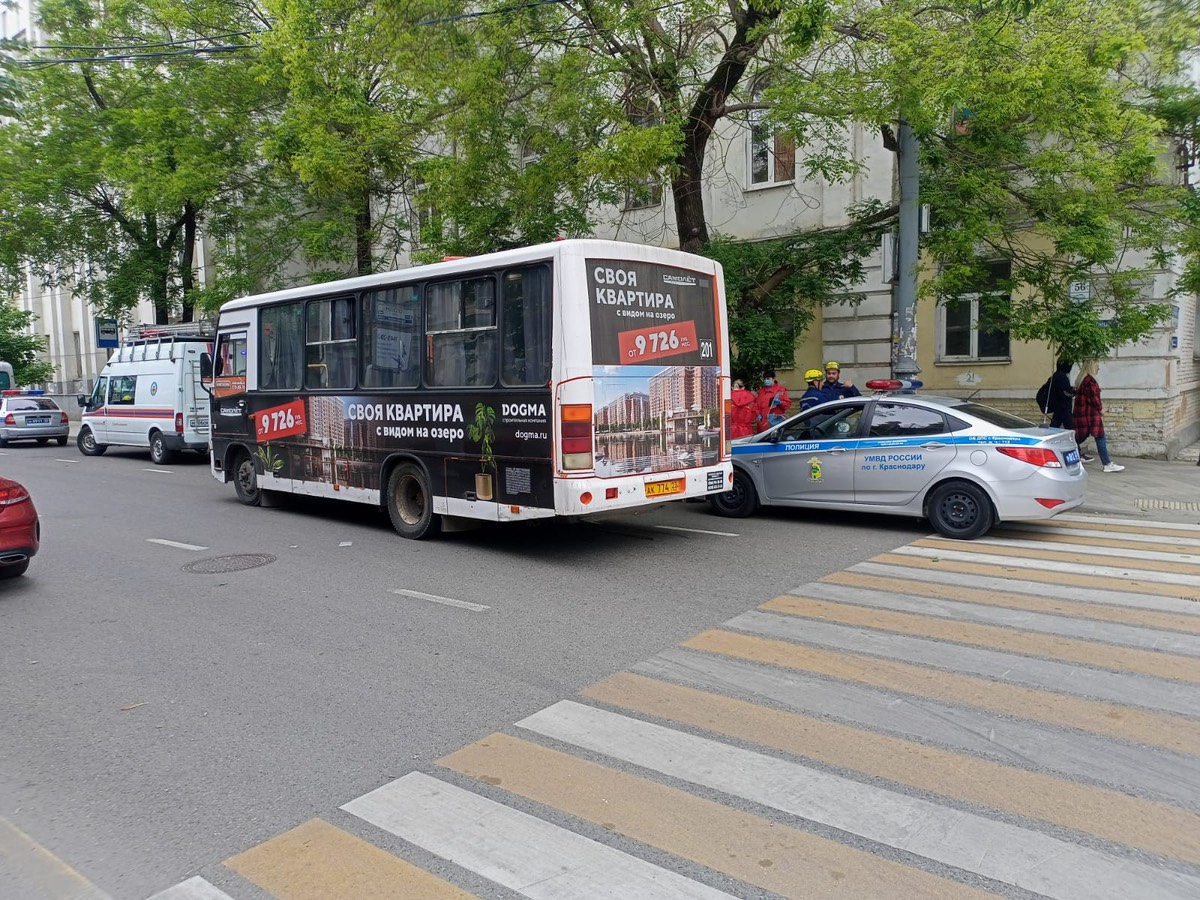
x,y
410,503
739,501
959,509
245,480
62,441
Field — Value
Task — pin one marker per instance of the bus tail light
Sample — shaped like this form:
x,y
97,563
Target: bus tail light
x,y
179,423
576,432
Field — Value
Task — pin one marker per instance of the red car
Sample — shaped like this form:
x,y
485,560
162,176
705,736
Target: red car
x,y
20,530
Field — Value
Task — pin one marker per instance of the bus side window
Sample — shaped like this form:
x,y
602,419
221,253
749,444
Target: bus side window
x,y
390,346
526,327
460,317
281,347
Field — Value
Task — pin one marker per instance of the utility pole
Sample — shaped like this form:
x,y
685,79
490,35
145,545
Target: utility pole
x,y
904,294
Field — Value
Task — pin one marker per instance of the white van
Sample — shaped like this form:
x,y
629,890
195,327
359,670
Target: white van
x,y
149,395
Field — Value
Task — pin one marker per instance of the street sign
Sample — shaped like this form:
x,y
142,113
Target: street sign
x,y
1080,291
106,333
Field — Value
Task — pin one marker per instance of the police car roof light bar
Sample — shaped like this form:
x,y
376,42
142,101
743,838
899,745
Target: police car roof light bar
x,y
894,384
17,393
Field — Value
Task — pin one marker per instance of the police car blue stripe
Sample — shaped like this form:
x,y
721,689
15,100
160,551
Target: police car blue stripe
x,y
885,443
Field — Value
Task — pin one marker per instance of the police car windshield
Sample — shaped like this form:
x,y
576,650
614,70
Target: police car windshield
x,y
993,416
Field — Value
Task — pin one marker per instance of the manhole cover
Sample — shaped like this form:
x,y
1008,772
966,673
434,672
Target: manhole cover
x,y
218,565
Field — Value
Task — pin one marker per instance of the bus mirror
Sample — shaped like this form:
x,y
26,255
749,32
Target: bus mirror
x,y
83,400
206,367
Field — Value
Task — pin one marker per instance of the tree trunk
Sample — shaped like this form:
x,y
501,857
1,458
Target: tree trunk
x,y
187,277
362,235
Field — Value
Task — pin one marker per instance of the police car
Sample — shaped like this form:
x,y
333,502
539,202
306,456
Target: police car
x,y
31,416
961,465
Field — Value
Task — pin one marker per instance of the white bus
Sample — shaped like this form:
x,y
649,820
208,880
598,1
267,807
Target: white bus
x,y
565,379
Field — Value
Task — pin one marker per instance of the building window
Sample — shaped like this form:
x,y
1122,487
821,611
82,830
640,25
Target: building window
x,y
647,192
772,156
972,328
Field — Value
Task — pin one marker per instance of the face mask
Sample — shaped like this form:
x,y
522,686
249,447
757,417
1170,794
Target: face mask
x,y
767,382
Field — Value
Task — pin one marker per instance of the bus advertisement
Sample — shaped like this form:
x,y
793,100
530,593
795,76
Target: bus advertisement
x,y
566,379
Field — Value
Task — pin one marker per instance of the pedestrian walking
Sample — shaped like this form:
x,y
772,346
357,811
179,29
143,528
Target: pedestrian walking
x,y
773,401
1088,414
815,393
834,387
744,417
1061,395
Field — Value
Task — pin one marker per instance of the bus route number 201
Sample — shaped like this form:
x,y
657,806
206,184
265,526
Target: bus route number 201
x,y
706,350
280,421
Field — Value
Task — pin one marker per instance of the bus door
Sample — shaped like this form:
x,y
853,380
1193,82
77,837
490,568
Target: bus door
x,y
231,415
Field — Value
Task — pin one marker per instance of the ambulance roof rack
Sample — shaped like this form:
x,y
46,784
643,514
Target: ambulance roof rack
x,y
196,331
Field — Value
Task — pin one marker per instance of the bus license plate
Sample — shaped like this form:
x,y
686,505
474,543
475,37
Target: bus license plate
x,y
1072,457
663,488
37,420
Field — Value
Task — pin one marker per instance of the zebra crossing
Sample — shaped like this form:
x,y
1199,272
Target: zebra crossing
x,y
1015,716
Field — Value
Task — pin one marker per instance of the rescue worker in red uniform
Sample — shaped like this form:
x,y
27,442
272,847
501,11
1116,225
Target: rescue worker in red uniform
x,y
744,419
773,401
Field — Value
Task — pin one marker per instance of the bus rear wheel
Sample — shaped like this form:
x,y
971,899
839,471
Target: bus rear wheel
x,y
245,480
410,504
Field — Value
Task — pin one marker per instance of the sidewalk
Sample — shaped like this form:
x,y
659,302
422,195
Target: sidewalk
x,y
1150,489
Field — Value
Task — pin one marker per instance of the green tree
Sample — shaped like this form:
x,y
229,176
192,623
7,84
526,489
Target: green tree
x,y
1041,143
126,143
20,348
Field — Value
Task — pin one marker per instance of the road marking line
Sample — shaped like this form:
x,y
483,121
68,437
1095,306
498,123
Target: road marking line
x,y
52,878
1024,637
1140,726
521,852
177,544
71,461
1109,814
1092,558
766,854
195,888
160,470
315,861
696,530
1028,859
1054,604
445,601
1092,758
917,572
1127,689
1101,523
1008,568
1073,536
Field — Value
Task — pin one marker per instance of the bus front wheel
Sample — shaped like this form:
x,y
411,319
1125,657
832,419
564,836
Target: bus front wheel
x,y
410,504
245,480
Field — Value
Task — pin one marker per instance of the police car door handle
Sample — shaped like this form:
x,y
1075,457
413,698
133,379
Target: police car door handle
x,y
933,445
838,449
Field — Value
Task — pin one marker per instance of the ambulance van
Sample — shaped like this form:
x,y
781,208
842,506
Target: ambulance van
x,y
149,395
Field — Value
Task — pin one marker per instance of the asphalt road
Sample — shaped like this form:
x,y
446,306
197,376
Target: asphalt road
x,y
154,721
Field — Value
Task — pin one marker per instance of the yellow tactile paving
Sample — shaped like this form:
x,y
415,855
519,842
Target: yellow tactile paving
x,y
1123,615
1154,827
316,861
995,637
1102,582
778,858
1114,720
1132,561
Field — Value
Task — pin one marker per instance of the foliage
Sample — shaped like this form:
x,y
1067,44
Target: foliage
x,y
482,430
113,164
1041,142
20,348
